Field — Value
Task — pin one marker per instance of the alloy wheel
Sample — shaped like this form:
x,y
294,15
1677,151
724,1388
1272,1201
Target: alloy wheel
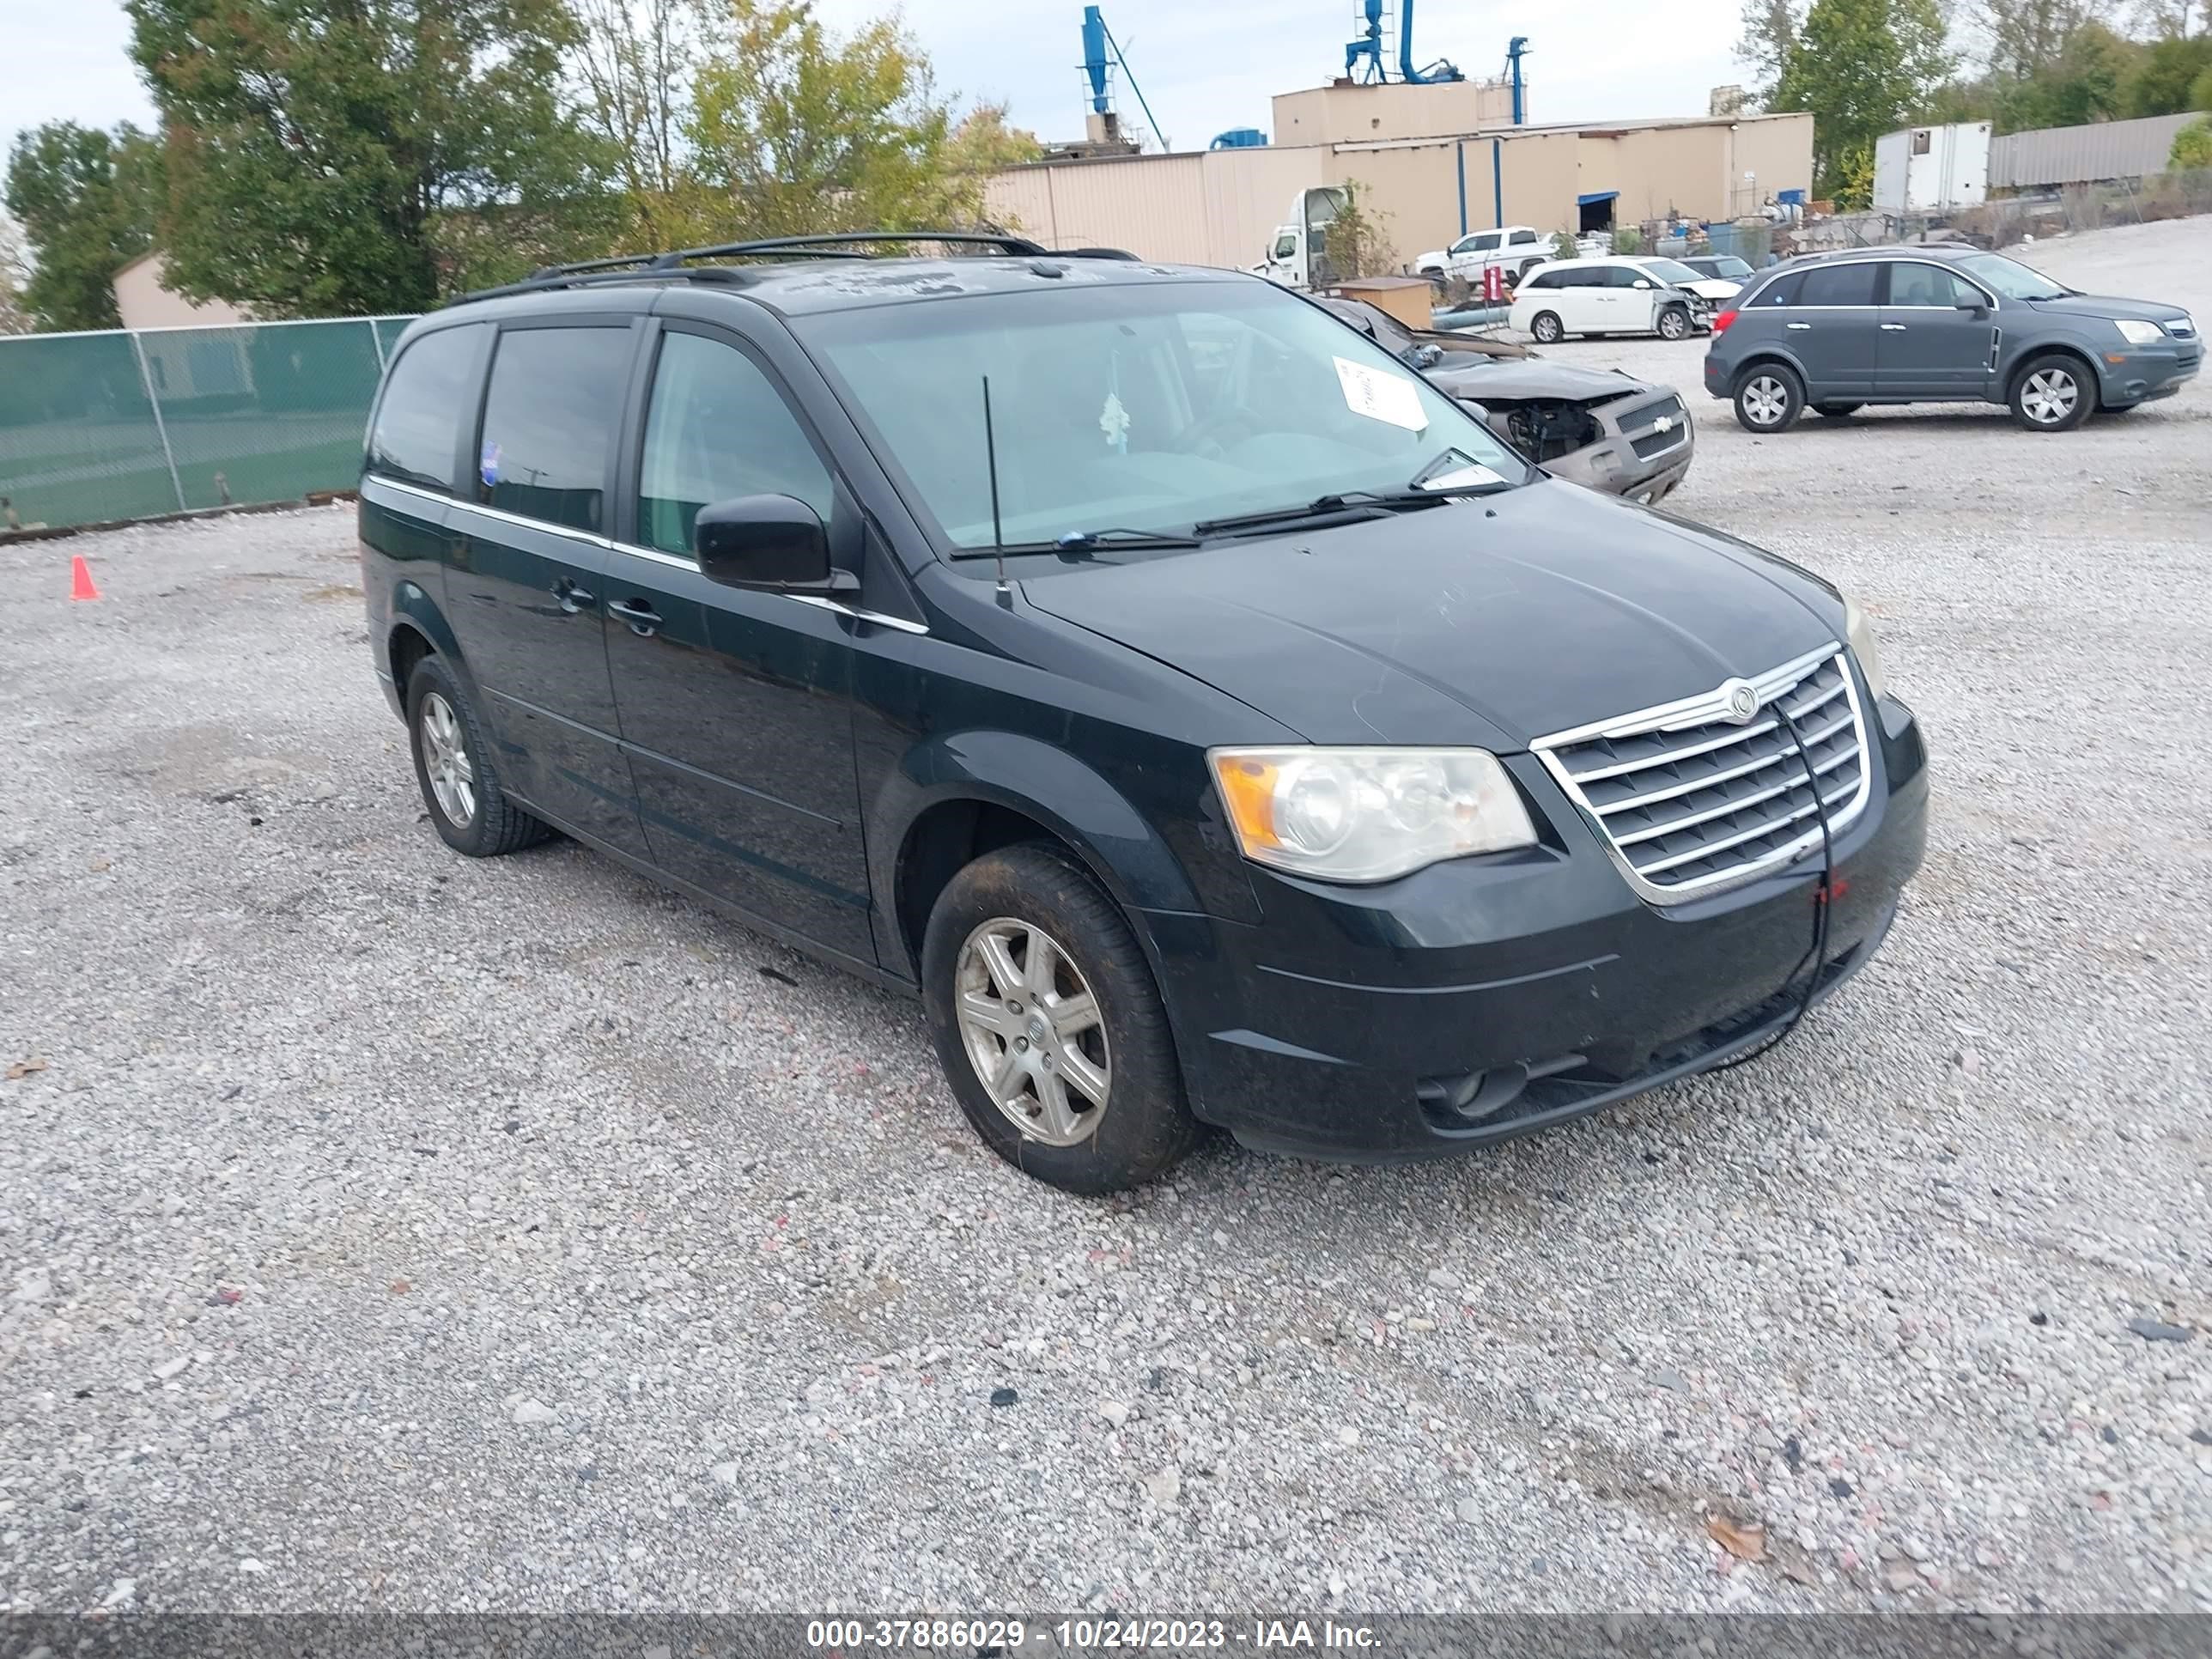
x,y
1033,1031
1767,400
446,761
2050,396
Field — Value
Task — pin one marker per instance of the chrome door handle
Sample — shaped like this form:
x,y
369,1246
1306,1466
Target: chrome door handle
x,y
1893,328
1801,326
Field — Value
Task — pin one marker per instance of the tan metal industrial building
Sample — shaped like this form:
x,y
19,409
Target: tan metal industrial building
x,y
1438,160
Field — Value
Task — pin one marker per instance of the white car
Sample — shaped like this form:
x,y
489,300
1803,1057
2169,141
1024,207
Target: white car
x,y
1602,296
1715,291
1512,248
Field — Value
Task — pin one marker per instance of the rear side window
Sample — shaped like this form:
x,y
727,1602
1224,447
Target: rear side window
x,y
556,397
1782,291
424,407
1546,279
717,428
1522,238
1839,285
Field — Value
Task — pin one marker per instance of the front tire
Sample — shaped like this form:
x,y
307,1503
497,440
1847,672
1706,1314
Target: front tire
x,y
1836,412
2053,393
1769,399
1546,326
1673,324
454,764
1050,1027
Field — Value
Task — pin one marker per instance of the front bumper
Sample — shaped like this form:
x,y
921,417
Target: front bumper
x,y
1613,465
1483,998
2141,373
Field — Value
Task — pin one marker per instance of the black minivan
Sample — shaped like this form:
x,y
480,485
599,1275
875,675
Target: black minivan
x,y
1213,722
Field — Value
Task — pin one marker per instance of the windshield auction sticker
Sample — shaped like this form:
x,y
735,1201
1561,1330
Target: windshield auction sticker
x,y
1380,397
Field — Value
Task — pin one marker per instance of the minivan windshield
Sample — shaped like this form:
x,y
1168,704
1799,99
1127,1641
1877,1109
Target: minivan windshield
x,y
1672,270
2011,279
1141,407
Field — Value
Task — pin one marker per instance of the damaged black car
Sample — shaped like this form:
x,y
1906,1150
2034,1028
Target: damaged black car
x,y
1209,720
1601,429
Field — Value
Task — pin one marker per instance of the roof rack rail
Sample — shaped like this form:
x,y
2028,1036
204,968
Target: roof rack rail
x,y
836,245
1019,246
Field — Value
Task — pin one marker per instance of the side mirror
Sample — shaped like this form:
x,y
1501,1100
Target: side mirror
x,y
772,542
1973,307
1640,282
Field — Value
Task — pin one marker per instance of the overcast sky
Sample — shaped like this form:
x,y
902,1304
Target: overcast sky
x,y
1204,66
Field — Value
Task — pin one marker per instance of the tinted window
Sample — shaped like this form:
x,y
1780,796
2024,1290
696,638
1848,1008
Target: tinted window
x,y
717,428
1915,284
1782,291
1482,243
1546,279
1621,276
1839,285
424,409
1522,238
556,397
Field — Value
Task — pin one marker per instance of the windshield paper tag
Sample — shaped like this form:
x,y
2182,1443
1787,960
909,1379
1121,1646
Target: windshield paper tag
x,y
1380,397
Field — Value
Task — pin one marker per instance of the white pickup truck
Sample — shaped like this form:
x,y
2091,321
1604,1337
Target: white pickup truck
x,y
1512,248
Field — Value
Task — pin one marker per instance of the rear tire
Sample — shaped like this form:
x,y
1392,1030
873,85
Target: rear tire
x,y
2053,394
1545,325
1674,323
1769,399
1836,412
1029,971
455,767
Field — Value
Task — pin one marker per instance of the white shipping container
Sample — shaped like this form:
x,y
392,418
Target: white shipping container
x,y
1930,169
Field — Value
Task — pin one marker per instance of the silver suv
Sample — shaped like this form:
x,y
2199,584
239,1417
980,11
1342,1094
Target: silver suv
x,y
1834,332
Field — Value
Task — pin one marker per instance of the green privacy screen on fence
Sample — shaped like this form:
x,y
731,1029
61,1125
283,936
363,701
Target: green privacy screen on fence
x,y
126,425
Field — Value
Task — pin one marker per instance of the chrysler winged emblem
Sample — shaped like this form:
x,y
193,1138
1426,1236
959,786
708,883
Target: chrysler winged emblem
x,y
1742,702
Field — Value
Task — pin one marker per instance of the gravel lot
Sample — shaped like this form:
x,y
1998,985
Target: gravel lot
x,y
384,1230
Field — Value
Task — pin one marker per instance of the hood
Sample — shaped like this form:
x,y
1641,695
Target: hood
x,y
1713,288
1488,622
1534,377
2102,305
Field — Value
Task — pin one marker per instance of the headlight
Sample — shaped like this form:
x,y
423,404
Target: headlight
x,y
1368,814
1860,632
2136,333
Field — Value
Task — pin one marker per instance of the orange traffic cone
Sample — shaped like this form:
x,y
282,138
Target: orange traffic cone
x,y
81,586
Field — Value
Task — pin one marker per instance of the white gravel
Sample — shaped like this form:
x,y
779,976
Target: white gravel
x,y
388,1230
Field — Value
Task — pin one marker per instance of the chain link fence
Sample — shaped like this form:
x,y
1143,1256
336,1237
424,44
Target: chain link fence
x,y
131,424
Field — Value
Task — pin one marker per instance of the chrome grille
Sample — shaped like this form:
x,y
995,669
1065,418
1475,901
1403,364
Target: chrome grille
x,y
1690,800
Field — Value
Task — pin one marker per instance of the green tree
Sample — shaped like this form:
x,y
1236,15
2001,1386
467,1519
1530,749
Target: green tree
x,y
348,156
2192,146
2200,92
2171,73
86,200
14,272
2089,80
796,130
636,61
1860,67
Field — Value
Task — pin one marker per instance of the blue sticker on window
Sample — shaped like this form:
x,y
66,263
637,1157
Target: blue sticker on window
x,y
488,463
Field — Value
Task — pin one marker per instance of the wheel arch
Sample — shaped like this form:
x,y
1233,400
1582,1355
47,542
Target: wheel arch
x,y
2091,379
416,628
960,796
1762,358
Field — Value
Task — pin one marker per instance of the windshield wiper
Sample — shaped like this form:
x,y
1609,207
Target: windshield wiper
x,y
1077,541
1367,503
